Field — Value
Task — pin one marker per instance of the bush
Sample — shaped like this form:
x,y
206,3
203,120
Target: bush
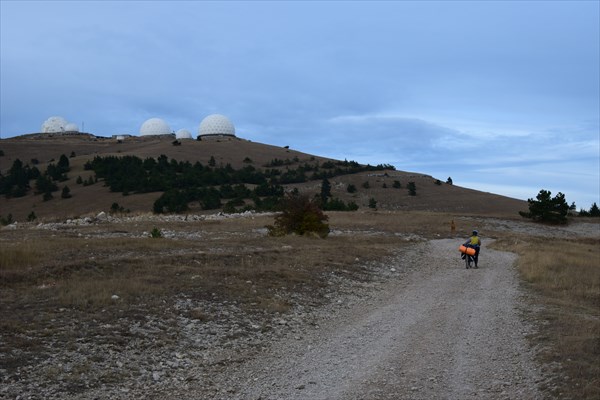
x,y
66,193
6,221
547,209
300,215
155,233
366,185
396,185
336,204
372,203
351,188
31,217
116,208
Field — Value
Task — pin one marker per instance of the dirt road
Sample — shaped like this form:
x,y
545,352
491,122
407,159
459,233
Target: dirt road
x,y
438,332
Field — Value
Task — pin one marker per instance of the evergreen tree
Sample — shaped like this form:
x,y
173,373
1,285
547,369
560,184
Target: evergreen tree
x,y
546,208
412,188
325,190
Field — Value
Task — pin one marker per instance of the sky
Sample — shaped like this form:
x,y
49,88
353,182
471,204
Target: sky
x,y
501,96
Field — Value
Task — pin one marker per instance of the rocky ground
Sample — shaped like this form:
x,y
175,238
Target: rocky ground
x,y
420,327
434,330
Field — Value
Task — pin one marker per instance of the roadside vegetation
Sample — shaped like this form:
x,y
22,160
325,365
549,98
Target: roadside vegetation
x,y
565,275
554,210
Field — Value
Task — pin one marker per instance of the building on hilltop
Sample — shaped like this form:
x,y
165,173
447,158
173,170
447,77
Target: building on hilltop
x,y
183,134
215,125
154,127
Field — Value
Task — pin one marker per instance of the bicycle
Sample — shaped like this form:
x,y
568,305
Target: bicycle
x,y
469,255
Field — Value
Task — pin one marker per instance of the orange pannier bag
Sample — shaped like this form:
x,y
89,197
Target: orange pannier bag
x,y
469,250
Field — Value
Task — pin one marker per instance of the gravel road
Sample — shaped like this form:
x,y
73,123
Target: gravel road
x,y
438,332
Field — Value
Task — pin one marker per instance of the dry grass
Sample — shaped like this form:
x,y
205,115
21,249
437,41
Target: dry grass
x,y
81,276
566,275
56,285
89,200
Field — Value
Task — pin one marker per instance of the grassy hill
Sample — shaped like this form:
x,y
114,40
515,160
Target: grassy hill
x,y
86,200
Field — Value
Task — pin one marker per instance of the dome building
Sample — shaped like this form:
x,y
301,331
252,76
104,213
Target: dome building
x,y
183,134
54,125
71,127
154,127
216,125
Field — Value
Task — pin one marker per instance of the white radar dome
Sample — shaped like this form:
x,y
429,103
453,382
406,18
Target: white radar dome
x,y
216,125
155,126
71,127
183,134
54,124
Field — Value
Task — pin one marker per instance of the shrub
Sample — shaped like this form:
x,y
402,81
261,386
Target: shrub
x,y
366,185
372,203
351,188
155,233
336,204
300,215
6,221
31,217
66,193
438,182
449,181
396,185
116,208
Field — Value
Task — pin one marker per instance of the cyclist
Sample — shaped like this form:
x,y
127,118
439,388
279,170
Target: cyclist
x,y
475,243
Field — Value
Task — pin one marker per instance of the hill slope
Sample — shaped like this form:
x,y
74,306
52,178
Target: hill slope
x,y
44,149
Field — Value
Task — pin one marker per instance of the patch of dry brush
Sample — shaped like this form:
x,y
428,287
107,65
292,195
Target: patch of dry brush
x,y
566,275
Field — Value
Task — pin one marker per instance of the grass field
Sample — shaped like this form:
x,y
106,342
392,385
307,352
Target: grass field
x,y
66,281
565,275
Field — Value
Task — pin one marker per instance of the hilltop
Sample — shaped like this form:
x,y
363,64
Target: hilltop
x,y
43,149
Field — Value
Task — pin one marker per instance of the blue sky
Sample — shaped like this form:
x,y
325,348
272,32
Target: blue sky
x,y
502,96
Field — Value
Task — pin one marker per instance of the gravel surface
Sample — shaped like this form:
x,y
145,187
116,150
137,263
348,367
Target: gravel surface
x,y
422,327
438,331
